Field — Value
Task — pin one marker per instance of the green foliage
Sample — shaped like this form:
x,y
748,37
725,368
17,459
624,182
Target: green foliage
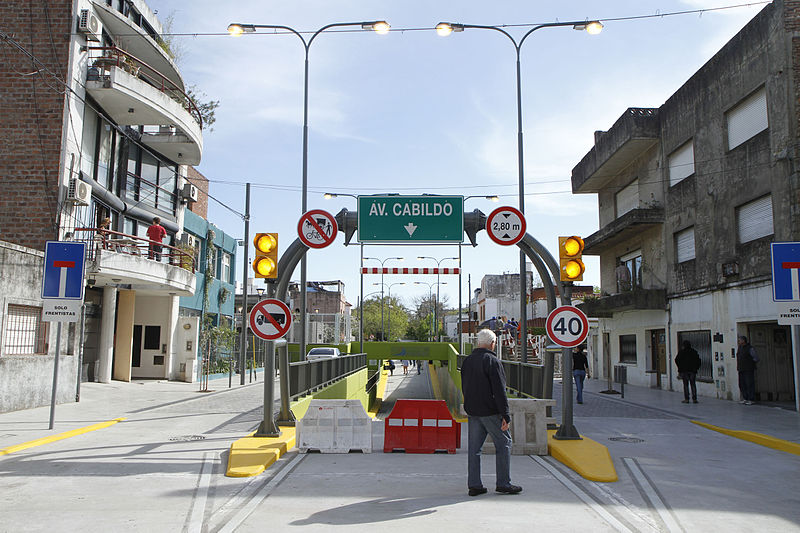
x,y
395,318
206,107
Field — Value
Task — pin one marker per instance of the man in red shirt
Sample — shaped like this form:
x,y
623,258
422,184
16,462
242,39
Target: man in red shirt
x,y
156,234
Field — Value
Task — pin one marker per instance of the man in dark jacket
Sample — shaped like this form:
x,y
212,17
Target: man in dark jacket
x,y
688,361
483,383
746,360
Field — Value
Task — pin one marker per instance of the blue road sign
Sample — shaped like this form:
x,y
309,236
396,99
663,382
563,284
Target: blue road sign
x,y
63,270
785,271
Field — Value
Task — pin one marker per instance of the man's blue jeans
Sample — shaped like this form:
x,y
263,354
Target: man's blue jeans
x,y
478,428
579,376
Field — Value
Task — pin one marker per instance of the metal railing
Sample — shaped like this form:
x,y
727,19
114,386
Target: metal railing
x,y
525,378
97,239
104,57
309,376
147,193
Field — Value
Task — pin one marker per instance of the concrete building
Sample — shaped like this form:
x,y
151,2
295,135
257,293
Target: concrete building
x,y
102,129
690,195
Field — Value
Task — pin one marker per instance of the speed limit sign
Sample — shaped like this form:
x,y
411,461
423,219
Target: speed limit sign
x,y
567,326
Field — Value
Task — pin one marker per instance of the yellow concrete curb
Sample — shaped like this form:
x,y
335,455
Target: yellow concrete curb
x,y
379,394
60,436
250,456
588,458
756,438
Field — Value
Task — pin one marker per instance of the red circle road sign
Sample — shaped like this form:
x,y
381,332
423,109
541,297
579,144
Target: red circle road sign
x,y
567,326
506,225
317,228
270,319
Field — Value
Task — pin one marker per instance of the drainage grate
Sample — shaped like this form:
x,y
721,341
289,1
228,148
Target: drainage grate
x,y
632,440
187,438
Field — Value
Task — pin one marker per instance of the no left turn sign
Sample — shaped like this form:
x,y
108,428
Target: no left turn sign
x,y
317,228
270,319
567,326
506,225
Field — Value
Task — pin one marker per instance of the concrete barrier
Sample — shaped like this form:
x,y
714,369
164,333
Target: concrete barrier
x,y
528,427
335,426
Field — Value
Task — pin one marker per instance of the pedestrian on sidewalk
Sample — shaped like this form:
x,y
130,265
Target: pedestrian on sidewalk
x,y
391,367
580,369
746,359
688,362
405,367
483,383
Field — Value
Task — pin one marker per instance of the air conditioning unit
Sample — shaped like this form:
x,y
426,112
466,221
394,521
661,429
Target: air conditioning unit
x,y
79,192
189,192
89,25
187,239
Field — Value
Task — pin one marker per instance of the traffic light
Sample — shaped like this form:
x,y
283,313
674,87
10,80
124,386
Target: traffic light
x,y
569,254
265,265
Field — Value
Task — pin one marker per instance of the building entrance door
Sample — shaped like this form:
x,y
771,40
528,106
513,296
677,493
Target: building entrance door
x,y
775,370
658,354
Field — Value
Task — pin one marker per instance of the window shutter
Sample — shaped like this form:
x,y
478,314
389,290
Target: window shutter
x,y
628,198
755,219
747,118
681,163
684,245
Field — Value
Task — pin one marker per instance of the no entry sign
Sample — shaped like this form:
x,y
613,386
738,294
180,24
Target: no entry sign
x,y
567,326
317,228
506,225
270,319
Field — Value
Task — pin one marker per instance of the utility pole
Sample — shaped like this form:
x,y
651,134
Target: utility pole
x,y
245,265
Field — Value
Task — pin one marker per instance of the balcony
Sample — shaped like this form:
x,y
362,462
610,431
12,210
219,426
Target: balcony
x,y
123,261
622,229
637,299
133,93
635,132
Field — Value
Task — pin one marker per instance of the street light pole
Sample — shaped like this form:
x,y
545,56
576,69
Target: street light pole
x,y
591,27
382,263
236,29
438,262
389,318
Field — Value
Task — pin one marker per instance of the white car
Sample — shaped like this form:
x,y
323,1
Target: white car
x,y
322,353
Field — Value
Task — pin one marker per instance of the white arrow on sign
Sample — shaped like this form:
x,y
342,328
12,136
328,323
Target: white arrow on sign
x,y
410,228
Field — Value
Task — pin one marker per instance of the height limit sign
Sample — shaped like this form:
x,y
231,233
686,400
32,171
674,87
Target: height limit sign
x,y
506,225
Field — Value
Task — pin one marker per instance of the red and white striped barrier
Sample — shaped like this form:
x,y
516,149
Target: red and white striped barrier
x,y
388,270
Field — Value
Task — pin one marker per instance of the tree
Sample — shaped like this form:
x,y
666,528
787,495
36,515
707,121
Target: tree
x,y
395,318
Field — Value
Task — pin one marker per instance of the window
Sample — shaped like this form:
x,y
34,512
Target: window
x,y
226,267
748,118
681,163
25,333
627,349
629,271
152,337
754,219
684,245
701,341
628,198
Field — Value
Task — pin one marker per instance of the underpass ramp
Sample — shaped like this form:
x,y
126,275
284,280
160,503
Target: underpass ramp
x,y
588,458
250,456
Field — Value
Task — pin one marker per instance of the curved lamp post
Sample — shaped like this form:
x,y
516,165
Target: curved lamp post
x,y
592,27
236,29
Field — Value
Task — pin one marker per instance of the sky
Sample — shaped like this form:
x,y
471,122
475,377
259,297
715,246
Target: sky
x,y
411,112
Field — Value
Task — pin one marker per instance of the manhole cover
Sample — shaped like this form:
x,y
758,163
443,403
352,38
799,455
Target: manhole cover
x,y
632,440
187,438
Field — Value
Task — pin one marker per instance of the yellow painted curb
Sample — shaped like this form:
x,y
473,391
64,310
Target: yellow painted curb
x,y
756,438
60,436
379,394
588,458
250,456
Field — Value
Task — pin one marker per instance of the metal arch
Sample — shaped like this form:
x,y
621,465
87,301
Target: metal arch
x,y
539,250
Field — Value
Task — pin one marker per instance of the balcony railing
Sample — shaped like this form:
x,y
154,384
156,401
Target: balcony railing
x,y
102,58
98,239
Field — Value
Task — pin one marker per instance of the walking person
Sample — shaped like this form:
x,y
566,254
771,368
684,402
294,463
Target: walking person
x,y
688,362
580,369
156,234
746,359
405,367
483,383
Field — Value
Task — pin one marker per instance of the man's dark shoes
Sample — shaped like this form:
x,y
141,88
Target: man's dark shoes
x,y
478,491
511,489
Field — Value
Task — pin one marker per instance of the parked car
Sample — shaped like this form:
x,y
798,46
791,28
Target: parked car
x,y
322,352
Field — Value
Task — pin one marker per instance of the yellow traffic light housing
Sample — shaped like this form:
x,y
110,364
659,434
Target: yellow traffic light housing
x,y
570,250
265,265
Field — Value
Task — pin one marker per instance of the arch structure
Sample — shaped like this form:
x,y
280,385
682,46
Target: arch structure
x,y
347,222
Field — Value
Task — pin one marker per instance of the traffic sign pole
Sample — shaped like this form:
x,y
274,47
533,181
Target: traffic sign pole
x,y
55,376
567,326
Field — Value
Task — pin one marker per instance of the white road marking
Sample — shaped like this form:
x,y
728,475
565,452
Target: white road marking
x,y
201,497
659,505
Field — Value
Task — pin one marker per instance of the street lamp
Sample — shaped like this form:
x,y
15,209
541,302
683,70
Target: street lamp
x,y
329,195
389,319
491,197
380,27
592,27
382,262
430,298
438,262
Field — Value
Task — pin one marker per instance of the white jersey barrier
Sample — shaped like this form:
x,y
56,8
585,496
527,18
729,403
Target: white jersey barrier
x,y
335,426
528,427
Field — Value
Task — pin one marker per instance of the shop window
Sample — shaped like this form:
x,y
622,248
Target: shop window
x,y
700,341
627,349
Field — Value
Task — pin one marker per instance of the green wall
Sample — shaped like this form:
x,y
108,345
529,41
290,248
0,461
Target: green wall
x,y
353,387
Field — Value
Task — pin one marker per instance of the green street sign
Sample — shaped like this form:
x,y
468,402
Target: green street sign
x,y
417,219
